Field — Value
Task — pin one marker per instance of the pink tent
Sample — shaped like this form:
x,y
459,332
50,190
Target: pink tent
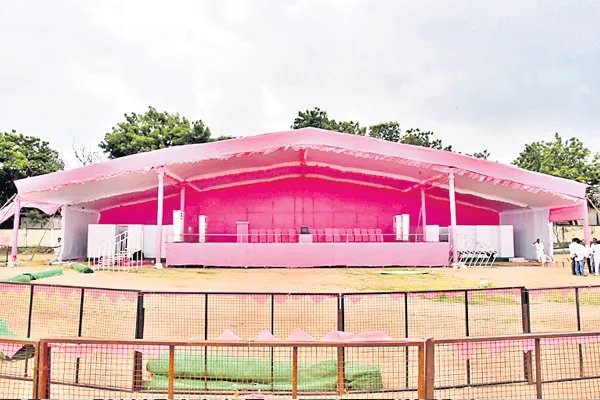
x,y
309,177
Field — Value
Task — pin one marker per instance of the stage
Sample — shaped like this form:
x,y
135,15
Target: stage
x,y
299,255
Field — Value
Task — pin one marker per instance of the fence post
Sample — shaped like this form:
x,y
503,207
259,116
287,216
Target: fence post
x,y
340,370
341,312
36,366
406,351
294,373
139,334
171,384
526,321
578,306
426,368
43,370
79,331
538,369
29,317
467,334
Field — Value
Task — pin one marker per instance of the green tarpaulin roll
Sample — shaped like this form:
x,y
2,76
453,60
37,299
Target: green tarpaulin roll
x,y
222,372
47,273
23,278
27,351
82,268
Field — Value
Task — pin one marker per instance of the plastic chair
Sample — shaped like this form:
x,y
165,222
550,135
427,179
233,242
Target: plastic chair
x,y
357,235
349,235
293,237
364,232
262,235
270,236
372,236
253,235
336,235
278,237
379,235
320,235
329,235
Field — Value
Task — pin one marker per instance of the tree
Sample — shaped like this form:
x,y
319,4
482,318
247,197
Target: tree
x,y
23,157
568,159
386,130
481,154
151,131
416,137
318,118
85,155
223,137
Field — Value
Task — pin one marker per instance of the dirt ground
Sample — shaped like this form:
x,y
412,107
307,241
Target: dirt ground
x,y
313,279
182,317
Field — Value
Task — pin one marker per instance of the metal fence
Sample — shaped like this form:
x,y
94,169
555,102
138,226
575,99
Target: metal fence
x,y
34,311
534,366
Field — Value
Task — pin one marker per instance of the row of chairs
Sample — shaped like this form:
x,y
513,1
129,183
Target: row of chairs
x,y
326,235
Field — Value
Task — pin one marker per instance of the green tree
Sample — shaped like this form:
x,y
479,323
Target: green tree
x,y
481,154
151,131
568,159
318,118
386,130
416,137
23,157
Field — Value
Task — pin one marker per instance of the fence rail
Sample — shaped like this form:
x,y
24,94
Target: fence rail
x,y
131,314
532,366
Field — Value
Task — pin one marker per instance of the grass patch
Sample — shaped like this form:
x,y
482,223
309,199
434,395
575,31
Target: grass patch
x,y
371,280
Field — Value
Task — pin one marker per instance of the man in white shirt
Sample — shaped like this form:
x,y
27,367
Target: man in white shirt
x,y
57,252
539,252
577,251
595,256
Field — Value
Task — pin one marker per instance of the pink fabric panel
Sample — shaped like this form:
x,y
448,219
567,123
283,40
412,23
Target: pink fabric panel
x,y
8,211
298,255
573,213
276,147
297,202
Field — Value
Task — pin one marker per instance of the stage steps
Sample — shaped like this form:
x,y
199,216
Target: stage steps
x,y
122,253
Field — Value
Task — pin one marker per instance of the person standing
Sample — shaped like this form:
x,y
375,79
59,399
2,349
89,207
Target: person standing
x,y
572,247
596,256
58,252
578,254
539,252
588,258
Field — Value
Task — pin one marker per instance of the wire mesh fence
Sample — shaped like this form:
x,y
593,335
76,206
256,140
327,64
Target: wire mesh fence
x,y
86,368
129,314
18,377
519,367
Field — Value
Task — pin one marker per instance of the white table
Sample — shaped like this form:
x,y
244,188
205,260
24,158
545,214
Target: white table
x,y
307,238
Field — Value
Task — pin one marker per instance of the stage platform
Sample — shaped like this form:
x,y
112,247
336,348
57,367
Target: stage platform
x,y
301,255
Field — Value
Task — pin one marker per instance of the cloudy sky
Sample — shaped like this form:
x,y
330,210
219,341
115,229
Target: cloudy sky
x,y
481,74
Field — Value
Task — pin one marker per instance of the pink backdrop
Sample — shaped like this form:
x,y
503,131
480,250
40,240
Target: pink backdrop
x,y
297,202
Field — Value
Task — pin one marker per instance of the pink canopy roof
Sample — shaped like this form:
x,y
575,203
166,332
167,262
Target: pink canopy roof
x,y
305,152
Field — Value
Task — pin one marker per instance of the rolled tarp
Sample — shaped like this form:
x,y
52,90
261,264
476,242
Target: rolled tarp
x,y
22,278
46,273
82,268
222,372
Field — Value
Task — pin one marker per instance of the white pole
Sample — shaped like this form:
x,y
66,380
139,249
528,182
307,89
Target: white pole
x,y
15,238
453,217
423,215
159,217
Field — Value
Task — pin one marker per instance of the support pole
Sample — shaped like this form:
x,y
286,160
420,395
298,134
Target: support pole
x,y
452,217
15,238
586,223
182,198
159,217
423,215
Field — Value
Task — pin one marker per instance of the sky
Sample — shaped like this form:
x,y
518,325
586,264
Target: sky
x,y
481,74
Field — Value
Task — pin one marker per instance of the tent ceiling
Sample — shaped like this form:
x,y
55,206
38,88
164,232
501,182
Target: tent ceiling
x,y
306,152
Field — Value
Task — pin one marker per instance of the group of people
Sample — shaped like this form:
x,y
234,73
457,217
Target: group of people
x,y
582,254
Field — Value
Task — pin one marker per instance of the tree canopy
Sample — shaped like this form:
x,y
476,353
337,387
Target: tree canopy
x,y
389,131
22,157
151,131
568,159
